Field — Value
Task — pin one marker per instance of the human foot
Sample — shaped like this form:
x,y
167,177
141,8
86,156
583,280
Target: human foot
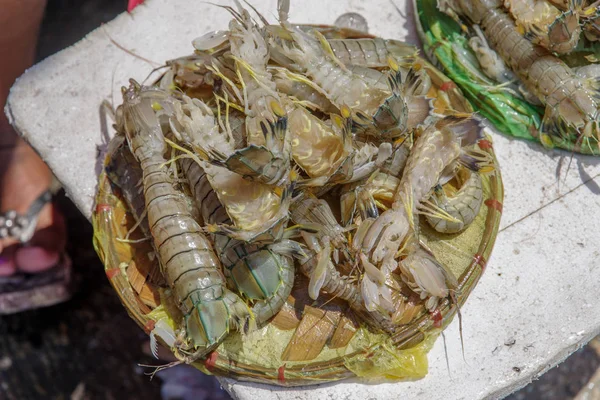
x,y
23,178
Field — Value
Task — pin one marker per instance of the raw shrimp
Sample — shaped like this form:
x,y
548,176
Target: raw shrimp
x,y
251,55
366,57
188,263
588,12
545,24
366,196
257,211
297,87
264,274
379,240
572,105
372,53
267,157
462,205
447,213
325,246
384,111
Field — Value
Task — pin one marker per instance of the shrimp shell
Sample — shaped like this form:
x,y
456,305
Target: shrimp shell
x,y
316,147
371,53
188,263
545,24
571,104
463,205
259,273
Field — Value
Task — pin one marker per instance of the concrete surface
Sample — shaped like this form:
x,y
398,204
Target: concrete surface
x,y
537,301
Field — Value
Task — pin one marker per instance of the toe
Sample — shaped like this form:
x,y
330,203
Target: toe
x,y
7,263
35,259
24,176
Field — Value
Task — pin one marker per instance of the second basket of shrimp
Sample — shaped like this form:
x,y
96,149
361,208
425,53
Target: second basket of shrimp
x,y
297,204
529,66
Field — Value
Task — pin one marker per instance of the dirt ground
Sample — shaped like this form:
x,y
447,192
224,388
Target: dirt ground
x,y
89,348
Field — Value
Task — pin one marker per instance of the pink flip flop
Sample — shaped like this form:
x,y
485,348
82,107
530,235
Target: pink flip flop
x,y
24,291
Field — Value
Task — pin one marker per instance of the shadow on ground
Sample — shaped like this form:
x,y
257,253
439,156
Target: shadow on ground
x,y
566,380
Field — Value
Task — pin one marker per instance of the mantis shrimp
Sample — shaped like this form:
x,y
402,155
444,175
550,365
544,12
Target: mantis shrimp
x,y
572,105
187,260
384,112
378,241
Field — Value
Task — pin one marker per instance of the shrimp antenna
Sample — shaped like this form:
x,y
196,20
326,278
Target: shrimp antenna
x,y
112,93
153,71
262,18
460,324
231,10
446,354
158,368
126,50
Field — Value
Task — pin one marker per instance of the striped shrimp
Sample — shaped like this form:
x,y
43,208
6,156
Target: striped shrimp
x,y
187,260
545,24
365,196
257,210
267,157
365,57
262,273
322,244
462,206
251,55
325,246
385,112
298,87
572,105
371,53
268,164
588,12
311,95
445,212
378,241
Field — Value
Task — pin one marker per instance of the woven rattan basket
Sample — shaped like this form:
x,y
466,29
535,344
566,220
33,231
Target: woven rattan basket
x,y
308,343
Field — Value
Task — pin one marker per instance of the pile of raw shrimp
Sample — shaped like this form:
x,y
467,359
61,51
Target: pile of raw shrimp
x,y
297,160
551,46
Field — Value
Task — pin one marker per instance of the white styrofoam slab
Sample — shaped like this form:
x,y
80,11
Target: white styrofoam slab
x,y
540,286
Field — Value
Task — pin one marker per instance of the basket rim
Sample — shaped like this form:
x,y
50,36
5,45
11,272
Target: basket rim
x,y
314,372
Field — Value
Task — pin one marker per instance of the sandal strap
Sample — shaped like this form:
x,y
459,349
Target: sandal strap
x,y
22,226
